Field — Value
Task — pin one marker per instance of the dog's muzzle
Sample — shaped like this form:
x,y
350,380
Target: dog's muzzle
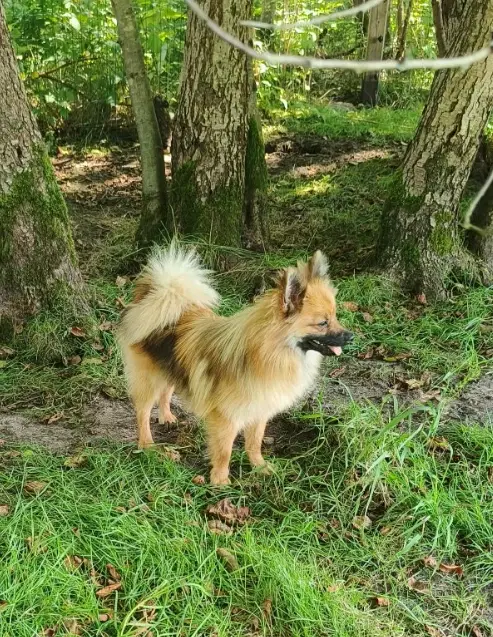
x,y
328,344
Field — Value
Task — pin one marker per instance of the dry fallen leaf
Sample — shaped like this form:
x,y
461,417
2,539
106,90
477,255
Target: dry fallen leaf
x,y
226,511
367,317
350,306
421,299
105,326
335,373
72,627
4,510
476,632
114,574
35,487
121,281
77,331
333,588
451,569
104,617
434,632
385,530
49,632
228,558
74,360
267,608
382,601
198,480
54,418
361,522
72,562
417,585
107,590
413,383
219,528
75,461
5,352
430,561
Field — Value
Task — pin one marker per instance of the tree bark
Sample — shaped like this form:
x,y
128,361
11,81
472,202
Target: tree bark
x,y
211,127
154,217
436,6
402,32
420,241
38,265
377,29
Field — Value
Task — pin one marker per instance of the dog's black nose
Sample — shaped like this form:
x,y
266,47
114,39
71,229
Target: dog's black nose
x,y
347,337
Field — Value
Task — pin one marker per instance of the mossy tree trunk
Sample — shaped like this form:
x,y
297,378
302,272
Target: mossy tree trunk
x,y
211,128
420,241
38,266
154,216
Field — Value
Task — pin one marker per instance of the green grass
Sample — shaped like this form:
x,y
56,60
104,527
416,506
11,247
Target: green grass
x,y
376,124
300,548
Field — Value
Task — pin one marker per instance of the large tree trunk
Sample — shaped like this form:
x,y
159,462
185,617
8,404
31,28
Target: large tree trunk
x,y
420,240
153,220
211,127
38,265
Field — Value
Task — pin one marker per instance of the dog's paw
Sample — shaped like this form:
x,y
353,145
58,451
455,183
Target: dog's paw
x,y
167,419
219,479
146,443
265,469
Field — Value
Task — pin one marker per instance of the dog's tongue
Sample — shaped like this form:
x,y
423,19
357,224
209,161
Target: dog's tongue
x,y
337,350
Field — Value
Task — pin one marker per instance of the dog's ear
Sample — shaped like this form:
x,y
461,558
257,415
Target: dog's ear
x,y
293,288
318,266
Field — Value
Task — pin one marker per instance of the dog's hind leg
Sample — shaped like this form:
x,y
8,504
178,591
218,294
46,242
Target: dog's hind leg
x,y
221,435
165,415
144,397
254,434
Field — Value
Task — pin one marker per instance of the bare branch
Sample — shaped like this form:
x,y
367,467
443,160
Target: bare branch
x,y
463,61
467,219
337,15
436,6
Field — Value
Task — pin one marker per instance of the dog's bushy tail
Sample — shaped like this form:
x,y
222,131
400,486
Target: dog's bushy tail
x,y
172,282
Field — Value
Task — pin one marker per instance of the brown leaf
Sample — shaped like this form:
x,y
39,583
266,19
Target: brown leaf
x,y
219,528
5,352
77,331
367,317
54,418
72,627
333,588
35,487
413,383
73,562
421,299
430,561
114,574
425,397
451,569
49,632
476,632
434,632
107,590
104,617
75,461
121,281
74,360
228,512
370,353
228,558
417,585
335,373
198,479
385,530
439,443
106,326
4,510
267,608
350,306
362,522
170,453
382,601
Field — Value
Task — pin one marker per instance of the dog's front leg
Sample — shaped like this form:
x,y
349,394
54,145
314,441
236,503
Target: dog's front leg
x,y
221,434
254,434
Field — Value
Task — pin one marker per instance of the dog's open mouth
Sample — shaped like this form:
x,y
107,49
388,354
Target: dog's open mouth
x,y
328,345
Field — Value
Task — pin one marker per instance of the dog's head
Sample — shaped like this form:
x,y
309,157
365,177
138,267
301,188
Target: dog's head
x,y
308,307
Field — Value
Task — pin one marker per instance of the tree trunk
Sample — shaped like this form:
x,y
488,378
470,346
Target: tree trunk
x,y
153,220
402,32
256,230
482,244
420,241
38,265
211,127
377,29
437,10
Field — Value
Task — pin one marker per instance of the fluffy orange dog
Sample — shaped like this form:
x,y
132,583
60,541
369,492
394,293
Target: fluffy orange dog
x,y
236,372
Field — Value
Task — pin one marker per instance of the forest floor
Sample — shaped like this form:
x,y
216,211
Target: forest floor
x,y
378,520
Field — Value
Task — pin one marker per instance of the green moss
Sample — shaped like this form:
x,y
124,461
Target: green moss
x,y
443,237
38,264
218,218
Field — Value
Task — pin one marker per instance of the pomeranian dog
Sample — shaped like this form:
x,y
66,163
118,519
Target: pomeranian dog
x,y
233,372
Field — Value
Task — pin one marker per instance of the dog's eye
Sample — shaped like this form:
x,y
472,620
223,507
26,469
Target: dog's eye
x,y
323,324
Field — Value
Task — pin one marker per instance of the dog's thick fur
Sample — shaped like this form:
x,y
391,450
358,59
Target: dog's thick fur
x,y
234,372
